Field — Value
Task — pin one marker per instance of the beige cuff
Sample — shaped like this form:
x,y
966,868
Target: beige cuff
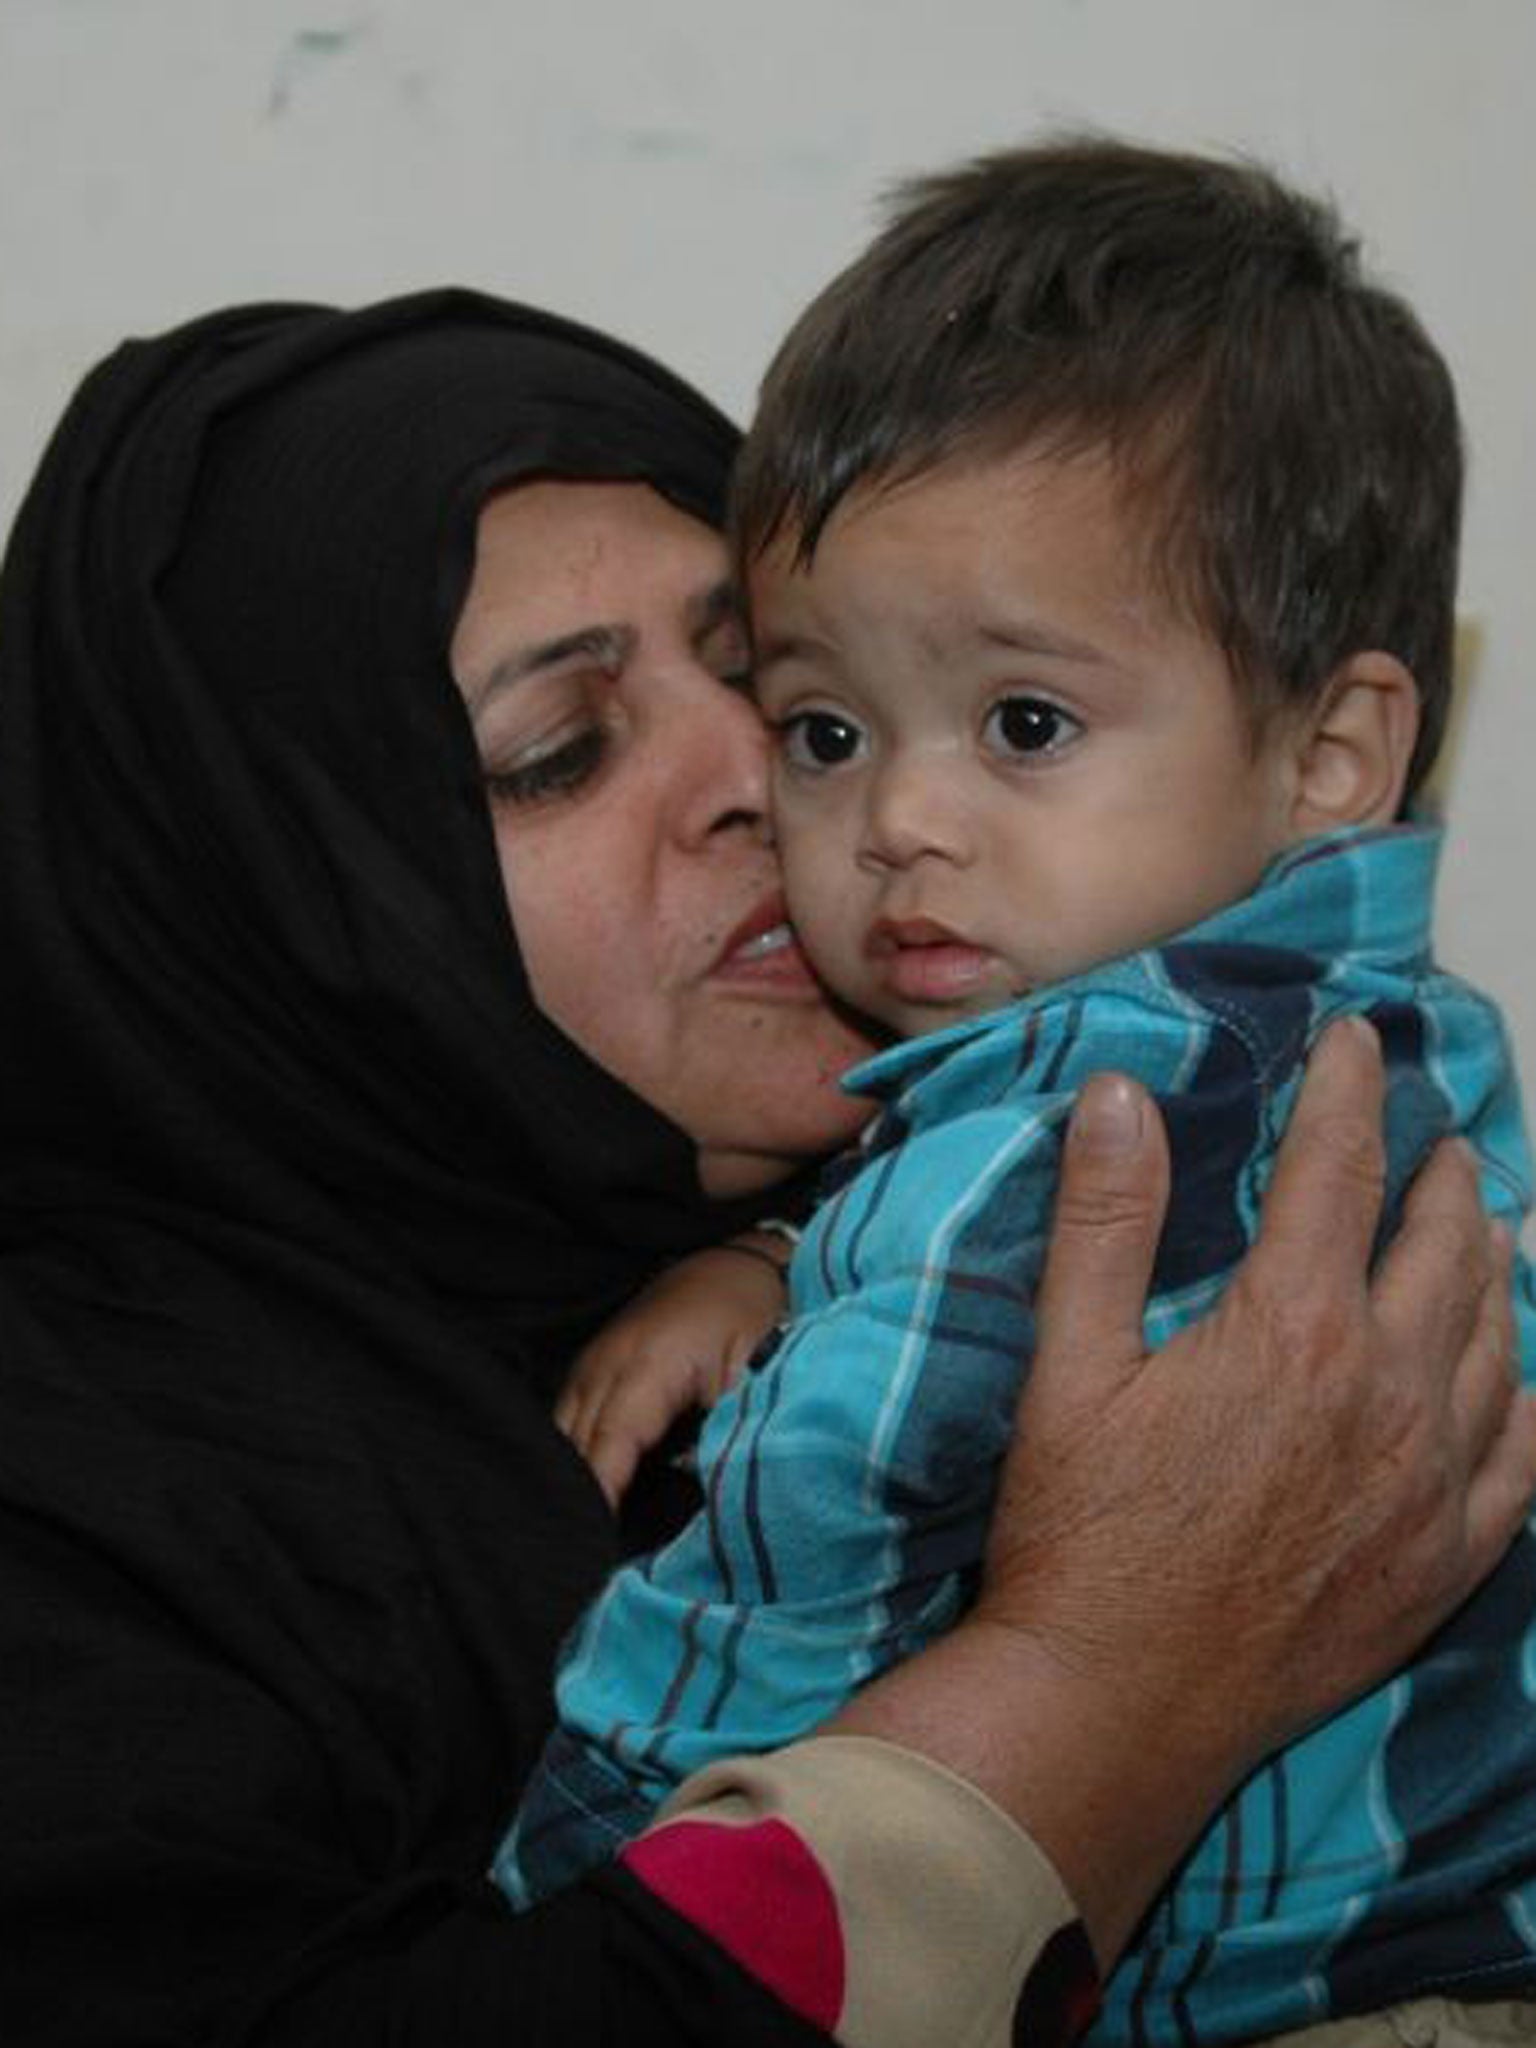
x,y
945,1903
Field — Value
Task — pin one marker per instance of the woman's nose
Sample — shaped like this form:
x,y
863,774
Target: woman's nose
x,y
722,764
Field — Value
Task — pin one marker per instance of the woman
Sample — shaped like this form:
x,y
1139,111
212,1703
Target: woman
x,y
313,1178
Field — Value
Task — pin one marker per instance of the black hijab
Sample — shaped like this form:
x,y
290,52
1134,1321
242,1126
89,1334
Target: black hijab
x,y
302,1203
259,965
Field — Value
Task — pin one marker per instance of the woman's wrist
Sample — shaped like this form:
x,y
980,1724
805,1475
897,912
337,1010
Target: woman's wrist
x,y
1105,1774
879,1895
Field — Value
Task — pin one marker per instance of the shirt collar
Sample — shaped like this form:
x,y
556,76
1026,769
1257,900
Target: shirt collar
x,y
1367,892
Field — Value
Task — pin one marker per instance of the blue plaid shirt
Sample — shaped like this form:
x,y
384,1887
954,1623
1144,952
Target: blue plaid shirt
x,y
848,1480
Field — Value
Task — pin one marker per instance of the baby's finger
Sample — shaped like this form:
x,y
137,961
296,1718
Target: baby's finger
x,y
613,1459
578,1407
633,1416
599,1371
732,1364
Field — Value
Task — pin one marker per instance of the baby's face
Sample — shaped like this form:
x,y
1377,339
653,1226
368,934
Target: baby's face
x,y
1001,756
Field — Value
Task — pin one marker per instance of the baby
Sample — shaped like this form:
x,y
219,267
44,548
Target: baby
x,y
1100,528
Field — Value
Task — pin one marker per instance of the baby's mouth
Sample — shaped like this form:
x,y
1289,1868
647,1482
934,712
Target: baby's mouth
x,y
921,961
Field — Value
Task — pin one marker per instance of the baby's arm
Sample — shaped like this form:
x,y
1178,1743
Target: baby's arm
x,y
679,1344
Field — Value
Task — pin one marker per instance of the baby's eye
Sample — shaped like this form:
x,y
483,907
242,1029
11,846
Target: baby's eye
x,y
549,770
819,739
1029,725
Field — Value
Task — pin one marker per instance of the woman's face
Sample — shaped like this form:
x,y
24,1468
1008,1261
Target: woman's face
x,y
603,661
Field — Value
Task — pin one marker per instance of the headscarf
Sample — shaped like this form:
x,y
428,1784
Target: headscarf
x,y
258,958
303,1204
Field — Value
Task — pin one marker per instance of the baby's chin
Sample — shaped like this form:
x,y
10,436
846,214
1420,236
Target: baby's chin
x,y
900,1020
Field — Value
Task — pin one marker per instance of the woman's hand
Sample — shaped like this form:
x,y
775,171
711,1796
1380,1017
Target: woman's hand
x,y
1320,1470
1196,1553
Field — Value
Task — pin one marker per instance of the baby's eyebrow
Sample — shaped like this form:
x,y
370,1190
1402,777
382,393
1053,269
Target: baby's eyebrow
x,y
1040,640
777,647
1012,639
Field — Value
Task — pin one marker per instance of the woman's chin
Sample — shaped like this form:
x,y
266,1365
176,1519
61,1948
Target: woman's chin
x,y
785,1108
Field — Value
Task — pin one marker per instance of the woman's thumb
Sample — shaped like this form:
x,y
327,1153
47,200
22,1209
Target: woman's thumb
x,y
1109,1213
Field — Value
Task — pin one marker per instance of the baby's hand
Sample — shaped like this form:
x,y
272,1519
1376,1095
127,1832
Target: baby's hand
x,y
680,1344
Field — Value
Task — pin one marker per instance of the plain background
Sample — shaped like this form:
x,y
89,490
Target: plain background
x,y
687,172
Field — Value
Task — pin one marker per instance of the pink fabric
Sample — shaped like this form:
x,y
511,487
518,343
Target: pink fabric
x,y
760,1893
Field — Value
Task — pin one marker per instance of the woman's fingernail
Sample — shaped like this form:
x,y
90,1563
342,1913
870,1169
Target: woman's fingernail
x,y
1108,1115
1361,1027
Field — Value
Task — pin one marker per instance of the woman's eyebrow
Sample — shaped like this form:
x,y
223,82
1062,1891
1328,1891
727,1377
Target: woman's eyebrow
x,y
720,605
610,646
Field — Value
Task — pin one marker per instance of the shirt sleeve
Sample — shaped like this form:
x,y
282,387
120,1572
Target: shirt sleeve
x,y
842,1890
879,1896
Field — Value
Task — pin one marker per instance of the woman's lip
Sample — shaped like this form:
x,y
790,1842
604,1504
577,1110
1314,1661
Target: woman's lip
x,y
767,917
763,954
773,940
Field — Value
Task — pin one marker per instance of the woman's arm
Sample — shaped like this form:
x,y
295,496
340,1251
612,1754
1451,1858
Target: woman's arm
x,y
1193,1556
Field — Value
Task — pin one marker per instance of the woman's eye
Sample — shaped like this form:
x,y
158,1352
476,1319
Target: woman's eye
x,y
819,739
552,771
1030,725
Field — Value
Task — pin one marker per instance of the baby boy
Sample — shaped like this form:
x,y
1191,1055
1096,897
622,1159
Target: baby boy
x,y
1100,525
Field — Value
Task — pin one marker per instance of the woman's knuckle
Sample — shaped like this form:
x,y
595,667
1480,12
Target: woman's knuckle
x,y
1307,1326
1102,1209
1352,1141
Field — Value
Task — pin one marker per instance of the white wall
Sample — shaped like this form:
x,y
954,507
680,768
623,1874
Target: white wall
x,y
687,171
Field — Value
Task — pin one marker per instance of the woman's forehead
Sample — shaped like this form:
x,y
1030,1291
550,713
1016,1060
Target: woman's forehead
x,y
564,568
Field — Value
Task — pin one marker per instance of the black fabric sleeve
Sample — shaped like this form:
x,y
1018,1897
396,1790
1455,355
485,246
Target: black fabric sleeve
x,y
446,1966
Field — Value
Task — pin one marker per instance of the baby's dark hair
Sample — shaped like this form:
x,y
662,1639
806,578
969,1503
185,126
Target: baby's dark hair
x,y
1288,426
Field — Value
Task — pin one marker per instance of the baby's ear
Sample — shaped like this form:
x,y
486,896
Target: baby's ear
x,y
1354,749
